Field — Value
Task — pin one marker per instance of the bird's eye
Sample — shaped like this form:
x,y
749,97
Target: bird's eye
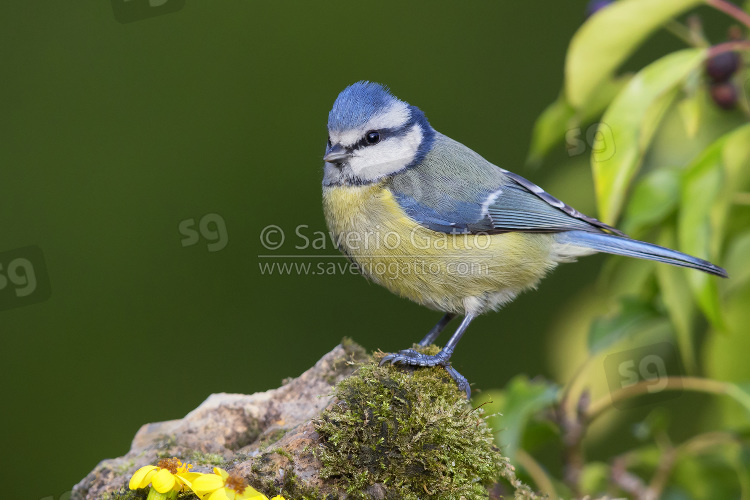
x,y
329,141
373,137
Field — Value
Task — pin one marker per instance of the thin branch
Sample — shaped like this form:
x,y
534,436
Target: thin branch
x,y
572,429
663,471
695,384
628,482
572,384
697,444
684,33
732,10
537,473
731,46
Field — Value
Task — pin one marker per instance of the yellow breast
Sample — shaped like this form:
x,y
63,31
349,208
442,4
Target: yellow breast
x,y
451,273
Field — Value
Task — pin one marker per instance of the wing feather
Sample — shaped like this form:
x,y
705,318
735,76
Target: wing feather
x,y
454,190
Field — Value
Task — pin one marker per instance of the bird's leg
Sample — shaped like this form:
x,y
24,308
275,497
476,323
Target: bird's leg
x,y
414,358
433,334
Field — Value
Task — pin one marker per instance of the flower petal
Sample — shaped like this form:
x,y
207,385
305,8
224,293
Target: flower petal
x,y
252,494
187,478
220,494
221,472
138,477
163,481
206,483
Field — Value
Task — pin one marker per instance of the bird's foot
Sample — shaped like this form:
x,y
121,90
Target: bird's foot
x,y
414,358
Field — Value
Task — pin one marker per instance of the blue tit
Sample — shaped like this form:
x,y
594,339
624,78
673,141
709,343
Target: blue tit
x,y
432,221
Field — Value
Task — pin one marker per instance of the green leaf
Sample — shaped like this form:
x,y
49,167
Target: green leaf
x,y
675,292
595,477
633,317
609,37
521,399
706,472
690,109
549,129
633,118
559,118
740,393
708,187
656,422
736,259
725,356
623,276
655,197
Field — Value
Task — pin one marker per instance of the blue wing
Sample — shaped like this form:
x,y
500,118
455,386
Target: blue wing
x,y
454,190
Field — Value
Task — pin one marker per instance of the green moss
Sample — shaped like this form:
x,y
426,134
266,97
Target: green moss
x,y
284,453
200,458
140,494
355,355
126,495
355,351
410,431
124,467
272,437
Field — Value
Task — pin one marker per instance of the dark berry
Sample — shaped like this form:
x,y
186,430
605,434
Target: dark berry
x,y
724,94
721,67
595,6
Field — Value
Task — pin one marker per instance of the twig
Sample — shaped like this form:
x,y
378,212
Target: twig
x,y
573,429
695,384
628,482
663,471
537,473
729,47
684,33
732,10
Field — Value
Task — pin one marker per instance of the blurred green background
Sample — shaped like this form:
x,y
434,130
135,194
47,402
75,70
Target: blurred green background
x,y
113,134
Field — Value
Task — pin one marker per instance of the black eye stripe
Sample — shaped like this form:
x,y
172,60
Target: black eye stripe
x,y
385,133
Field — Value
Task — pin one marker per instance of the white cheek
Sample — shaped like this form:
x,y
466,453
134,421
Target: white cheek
x,y
388,157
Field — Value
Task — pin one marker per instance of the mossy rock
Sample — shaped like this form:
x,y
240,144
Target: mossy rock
x,y
405,433
345,429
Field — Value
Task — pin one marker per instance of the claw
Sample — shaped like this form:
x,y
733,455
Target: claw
x,y
414,358
390,357
463,384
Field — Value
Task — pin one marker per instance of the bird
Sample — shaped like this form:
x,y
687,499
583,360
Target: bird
x,y
433,221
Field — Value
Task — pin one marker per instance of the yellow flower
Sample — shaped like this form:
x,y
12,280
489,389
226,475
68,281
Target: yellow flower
x,y
224,486
168,475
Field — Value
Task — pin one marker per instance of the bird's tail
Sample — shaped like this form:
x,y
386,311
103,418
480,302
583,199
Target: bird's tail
x,y
602,242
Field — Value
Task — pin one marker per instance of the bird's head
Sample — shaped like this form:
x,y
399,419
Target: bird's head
x,y
372,134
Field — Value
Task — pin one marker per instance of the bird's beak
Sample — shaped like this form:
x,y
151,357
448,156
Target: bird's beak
x,y
336,154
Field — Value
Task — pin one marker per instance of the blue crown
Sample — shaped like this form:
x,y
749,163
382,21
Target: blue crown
x,y
357,103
